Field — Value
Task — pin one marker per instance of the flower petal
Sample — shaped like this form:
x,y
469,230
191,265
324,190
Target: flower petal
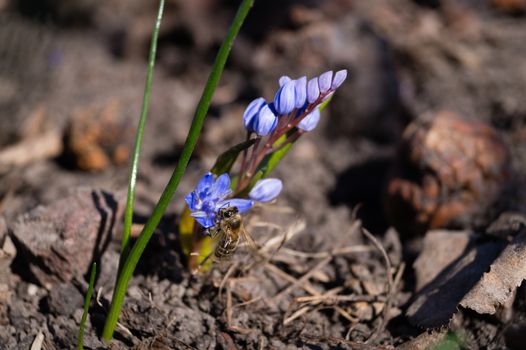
x,y
338,79
300,90
221,187
241,204
251,112
310,121
203,187
266,121
284,99
192,201
206,222
324,81
313,90
266,190
283,80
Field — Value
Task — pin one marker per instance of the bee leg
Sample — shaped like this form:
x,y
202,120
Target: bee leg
x,y
213,231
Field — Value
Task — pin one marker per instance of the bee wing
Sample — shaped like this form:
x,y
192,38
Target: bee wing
x,y
248,238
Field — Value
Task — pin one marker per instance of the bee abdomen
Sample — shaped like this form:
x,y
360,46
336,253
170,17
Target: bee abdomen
x,y
225,248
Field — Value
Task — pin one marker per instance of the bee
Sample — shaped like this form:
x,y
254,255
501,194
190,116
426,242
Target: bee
x,y
228,231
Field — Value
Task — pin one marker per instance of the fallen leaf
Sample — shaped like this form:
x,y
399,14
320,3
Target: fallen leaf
x,y
497,286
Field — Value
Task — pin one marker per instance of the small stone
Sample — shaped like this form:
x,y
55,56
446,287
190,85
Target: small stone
x,y
32,290
77,315
64,299
134,292
9,248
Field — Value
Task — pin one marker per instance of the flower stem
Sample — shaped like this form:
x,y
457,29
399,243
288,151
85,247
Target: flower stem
x,y
193,134
291,138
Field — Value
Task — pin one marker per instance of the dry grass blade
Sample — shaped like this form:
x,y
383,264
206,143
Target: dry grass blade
x,y
306,285
334,299
252,301
321,255
37,343
300,312
390,287
302,279
229,304
230,271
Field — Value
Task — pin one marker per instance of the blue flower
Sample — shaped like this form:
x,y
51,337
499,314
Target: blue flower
x,y
310,121
209,196
251,113
265,122
284,101
266,190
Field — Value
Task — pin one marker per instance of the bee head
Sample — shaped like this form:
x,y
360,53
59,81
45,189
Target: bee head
x,y
227,213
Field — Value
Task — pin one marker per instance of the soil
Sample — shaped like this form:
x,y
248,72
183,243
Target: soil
x,y
71,85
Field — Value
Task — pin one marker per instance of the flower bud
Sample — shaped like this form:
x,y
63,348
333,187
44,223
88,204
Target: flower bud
x,y
283,80
285,98
300,90
266,190
338,79
313,90
251,112
310,121
325,81
266,121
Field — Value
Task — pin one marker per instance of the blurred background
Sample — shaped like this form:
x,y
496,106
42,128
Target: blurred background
x,y
72,76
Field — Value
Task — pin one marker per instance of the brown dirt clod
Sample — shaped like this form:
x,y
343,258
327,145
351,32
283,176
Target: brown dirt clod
x,y
60,241
448,172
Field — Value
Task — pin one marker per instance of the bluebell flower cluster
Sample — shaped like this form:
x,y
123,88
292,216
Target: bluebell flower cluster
x,y
211,195
295,106
295,99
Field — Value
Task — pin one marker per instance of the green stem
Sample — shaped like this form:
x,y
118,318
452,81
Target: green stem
x,y
202,108
128,214
87,303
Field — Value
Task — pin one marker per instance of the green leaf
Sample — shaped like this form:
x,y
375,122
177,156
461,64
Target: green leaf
x,y
454,340
134,168
87,302
324,104
272,161
225,161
